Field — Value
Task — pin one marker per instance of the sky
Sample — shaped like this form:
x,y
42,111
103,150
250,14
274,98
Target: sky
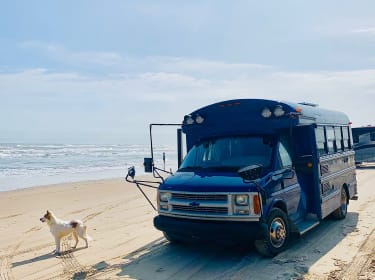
x,y
100,71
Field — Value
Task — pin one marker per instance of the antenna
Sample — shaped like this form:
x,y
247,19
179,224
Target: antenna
x,y
309,104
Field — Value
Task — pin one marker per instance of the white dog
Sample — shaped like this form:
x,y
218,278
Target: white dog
x,y
60,228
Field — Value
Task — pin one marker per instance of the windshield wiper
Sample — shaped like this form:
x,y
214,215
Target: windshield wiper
x,y
209,168
190,168
222,167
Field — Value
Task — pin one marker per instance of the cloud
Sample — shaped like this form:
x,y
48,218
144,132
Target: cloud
x,y
209,68
112,62
63,55
168,95
365,31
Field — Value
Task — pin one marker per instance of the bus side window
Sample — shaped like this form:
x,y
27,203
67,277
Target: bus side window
x,y
320,140
330,134
346,138
338,136
285,158
350,138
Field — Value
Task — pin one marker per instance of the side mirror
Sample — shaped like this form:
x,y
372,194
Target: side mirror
x,y
283,174
251,172
148,164
131,172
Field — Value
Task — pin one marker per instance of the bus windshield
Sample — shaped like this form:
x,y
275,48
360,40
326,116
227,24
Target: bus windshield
x,y
229,153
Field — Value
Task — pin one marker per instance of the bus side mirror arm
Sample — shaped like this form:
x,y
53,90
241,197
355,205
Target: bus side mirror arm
x,y
286,173
150,184
251,174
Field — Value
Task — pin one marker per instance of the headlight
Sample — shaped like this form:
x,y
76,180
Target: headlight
x,y
242,199
164,196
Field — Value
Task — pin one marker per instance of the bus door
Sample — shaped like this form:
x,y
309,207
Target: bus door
x,y
287,188
304,154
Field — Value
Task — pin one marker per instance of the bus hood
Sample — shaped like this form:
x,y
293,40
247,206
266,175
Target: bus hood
x,y
206,182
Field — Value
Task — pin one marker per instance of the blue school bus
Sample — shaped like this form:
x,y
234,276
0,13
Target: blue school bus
x,y
255,170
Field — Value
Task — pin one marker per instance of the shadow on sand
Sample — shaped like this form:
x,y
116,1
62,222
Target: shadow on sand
x,y
45,257
163,260
35,259
366,166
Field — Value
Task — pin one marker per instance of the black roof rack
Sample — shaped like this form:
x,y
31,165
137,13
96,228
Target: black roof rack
x,y
309,104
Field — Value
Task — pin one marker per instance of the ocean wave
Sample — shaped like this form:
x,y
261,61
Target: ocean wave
x,y
24,165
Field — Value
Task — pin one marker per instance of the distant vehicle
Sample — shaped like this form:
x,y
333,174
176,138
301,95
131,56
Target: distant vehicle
x,y
364,144
255,170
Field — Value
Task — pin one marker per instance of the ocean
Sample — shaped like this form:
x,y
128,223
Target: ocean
x,y
27,165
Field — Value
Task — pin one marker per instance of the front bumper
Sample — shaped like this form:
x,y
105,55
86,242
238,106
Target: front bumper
x,y
209,230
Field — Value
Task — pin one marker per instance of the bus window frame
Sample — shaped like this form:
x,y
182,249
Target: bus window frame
x,y
336,139
330,139
322,151
340,140
283,151
346,138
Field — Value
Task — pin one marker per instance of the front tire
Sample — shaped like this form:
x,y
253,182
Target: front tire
x,y
276,235
340,213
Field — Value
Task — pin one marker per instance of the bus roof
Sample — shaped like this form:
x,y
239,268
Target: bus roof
x,y
244,116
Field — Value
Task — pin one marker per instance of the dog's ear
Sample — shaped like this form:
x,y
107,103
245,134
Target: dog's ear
x,y
48,212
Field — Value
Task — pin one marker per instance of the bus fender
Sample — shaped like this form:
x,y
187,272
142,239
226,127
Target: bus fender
x,y
275,203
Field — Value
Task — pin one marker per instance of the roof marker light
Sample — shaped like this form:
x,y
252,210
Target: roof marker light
x,y
199,119
188,119
278,111
266,112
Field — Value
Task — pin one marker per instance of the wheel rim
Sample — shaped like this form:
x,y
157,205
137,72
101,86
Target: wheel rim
x,y
277,232
344,202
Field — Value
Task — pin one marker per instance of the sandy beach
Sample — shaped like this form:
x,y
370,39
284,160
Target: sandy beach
x,y
127,246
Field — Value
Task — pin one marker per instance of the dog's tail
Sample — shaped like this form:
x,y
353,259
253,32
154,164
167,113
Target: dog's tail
x,y
85,235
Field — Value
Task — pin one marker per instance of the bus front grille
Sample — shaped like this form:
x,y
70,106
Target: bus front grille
x,y
200,209
206,197
199,204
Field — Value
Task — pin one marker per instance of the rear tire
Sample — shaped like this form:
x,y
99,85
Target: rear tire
x,y
340,213
276,235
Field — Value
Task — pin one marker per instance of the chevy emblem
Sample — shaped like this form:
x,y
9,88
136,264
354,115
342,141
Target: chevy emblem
x,y
194,204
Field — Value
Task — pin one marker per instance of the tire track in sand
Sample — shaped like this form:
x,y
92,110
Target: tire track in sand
x,y
6,259
5,268
72,269
361,262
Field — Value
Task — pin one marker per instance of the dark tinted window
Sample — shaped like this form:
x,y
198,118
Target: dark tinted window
x,y
339,140
284,153
346,137
331,141
320,140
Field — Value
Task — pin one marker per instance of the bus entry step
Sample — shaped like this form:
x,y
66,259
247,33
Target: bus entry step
x,y
306,225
